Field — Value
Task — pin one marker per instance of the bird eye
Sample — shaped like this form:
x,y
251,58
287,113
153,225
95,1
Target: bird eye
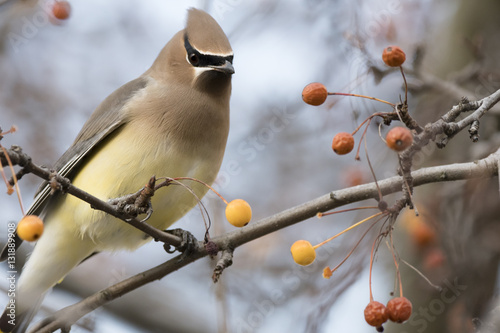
x,y
193,59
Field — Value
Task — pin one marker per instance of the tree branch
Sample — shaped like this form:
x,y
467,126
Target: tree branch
x,y
18,157
485,168
483,106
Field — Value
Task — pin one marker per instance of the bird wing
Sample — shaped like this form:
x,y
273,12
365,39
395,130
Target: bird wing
x,y
106,119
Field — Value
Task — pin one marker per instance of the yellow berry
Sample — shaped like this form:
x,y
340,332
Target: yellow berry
x,y
30,228
314,94
303,252
238,213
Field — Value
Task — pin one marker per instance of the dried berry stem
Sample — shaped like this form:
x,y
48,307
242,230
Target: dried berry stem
x,y
371,268
406,84
347,229
2,172
362,96
203,209
398,273
355,246
438,288
18,191
380,196
378,114
202,182
362,136
12,129
361,125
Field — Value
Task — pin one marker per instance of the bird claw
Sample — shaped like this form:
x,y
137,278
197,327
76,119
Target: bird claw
x,y
187,246
149,212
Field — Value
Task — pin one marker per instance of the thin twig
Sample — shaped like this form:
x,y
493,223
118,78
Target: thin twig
x,y
16,185
438,288
356,245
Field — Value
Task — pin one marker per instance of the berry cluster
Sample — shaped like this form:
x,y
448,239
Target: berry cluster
x,y
398,139
397,310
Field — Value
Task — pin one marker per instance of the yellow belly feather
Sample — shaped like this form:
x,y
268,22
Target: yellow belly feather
x,y
124,166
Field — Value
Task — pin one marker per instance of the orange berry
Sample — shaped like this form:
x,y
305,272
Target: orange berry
x,y
303,252
419,227
433,259
61,10
353,176
238,213
30,228
399,138
343,143
376,314
314,94
423,234
399,309
393,56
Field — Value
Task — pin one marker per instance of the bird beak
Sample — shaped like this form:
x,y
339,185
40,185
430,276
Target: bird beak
x,y
227,68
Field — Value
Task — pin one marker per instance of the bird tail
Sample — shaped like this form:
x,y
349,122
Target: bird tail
x,y
13,321
54,255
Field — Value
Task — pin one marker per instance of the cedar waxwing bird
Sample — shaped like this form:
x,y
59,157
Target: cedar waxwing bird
x,y
172,121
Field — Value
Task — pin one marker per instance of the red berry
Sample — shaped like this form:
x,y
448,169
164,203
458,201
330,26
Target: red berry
x,y
61,10
434,259
376,314
353,176
399,138
393,56
343,143
314,94
399,309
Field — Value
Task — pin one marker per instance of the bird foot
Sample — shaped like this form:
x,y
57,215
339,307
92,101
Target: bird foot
x,y
188,244
136,203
